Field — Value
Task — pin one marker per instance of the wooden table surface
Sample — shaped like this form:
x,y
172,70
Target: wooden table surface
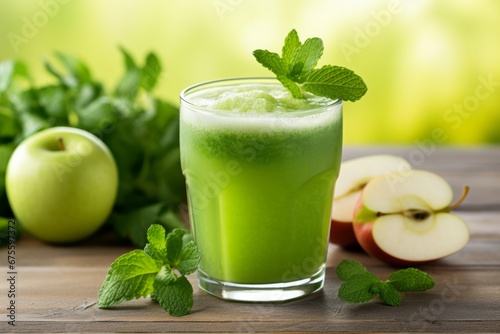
x,y
56,287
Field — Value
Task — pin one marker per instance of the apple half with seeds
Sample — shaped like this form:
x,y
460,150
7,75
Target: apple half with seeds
x,y
354,175
408,222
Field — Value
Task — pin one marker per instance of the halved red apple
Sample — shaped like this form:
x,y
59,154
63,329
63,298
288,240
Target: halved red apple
x,y
409,222
354,175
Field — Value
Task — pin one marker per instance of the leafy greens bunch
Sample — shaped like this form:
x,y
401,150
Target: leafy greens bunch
x,y
141,131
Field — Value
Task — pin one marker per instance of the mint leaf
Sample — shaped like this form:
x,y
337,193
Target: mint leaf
x,y
335,82
150,72
305,59
165,276
189,259
295,69
156,236
358,288
90,117
129,84
77,70
174,294
8,128
174,246
64,81
131,276
52,99
388,294
271,61
411,279
291,44
128,60
156,248
349,268
6,74
32,123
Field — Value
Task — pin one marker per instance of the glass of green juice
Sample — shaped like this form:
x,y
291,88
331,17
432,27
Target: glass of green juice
x,y
260,169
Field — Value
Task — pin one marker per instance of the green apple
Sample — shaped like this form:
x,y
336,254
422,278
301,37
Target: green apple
x,y
61,184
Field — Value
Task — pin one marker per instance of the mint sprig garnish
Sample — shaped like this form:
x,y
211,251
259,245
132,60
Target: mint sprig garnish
x,y
361,286
295,69
158,271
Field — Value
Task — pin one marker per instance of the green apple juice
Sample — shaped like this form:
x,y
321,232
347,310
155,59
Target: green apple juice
x,y
260,168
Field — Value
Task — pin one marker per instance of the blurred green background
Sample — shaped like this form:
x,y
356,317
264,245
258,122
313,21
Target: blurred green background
x,y
432,67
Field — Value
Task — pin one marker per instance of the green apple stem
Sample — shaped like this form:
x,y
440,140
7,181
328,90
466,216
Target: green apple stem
x,y
61,143
465,191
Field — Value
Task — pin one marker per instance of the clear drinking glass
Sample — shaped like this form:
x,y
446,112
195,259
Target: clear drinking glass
x,y
260,186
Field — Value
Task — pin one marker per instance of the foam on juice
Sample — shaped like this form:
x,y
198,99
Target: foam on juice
x,y
259,107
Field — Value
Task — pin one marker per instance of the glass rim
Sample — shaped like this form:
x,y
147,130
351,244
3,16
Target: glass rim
x,y
232,81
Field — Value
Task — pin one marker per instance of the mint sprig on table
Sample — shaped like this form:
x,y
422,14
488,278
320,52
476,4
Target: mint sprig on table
x,y
361,286
158,271
295,69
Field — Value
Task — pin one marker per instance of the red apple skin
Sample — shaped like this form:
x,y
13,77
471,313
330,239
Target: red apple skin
x,y
342,234
364,236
